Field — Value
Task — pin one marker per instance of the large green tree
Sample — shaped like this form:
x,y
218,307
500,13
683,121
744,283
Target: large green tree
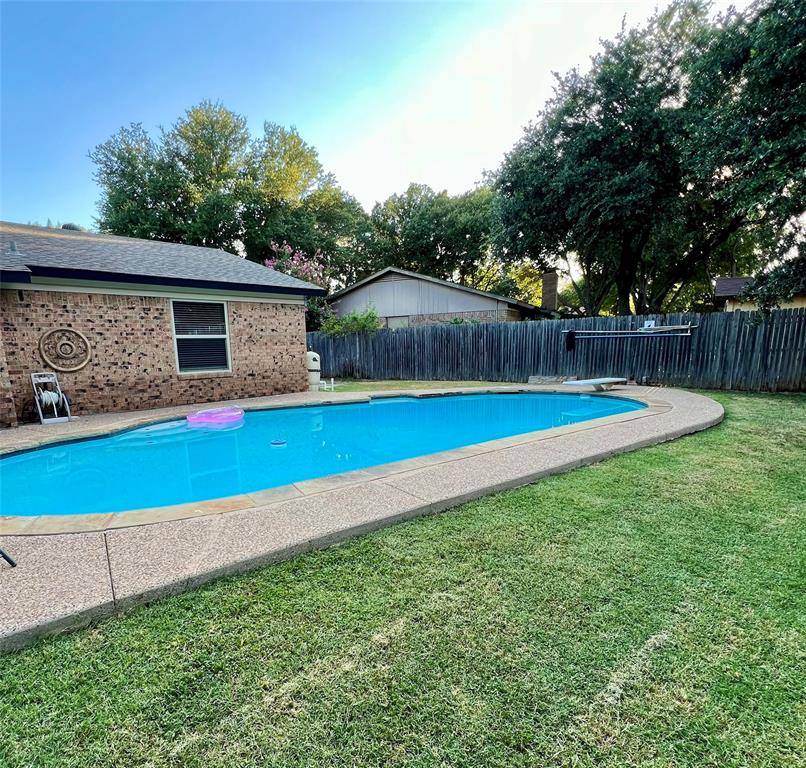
x,y
781,283
206,181
446,236
678,155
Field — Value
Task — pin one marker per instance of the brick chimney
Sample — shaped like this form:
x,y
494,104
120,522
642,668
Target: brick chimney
x,y
549,300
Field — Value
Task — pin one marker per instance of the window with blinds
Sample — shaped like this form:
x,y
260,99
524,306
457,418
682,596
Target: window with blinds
x,y
200,329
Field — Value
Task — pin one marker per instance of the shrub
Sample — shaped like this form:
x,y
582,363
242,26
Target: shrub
x,y
354,322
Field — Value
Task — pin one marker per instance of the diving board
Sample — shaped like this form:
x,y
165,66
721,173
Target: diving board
x,y
600,385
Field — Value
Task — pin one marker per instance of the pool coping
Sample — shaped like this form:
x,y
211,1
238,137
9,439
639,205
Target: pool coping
x,y
37,525
67,580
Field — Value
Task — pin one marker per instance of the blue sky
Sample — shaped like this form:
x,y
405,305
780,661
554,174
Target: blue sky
x,y
388,92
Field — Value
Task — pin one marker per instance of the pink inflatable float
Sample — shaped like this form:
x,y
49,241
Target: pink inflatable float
x,y
216,417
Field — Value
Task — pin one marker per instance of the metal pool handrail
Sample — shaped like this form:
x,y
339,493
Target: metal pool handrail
x,y
8,558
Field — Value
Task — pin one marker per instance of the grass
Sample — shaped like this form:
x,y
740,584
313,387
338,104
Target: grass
x,y
646,611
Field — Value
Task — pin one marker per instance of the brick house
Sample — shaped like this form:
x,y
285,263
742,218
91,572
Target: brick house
x,y
131,324
403,299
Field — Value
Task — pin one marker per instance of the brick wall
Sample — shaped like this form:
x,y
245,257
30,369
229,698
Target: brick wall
x,y
481,316
8,414
133,363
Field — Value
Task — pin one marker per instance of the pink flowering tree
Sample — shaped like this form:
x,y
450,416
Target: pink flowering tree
x,y
295,262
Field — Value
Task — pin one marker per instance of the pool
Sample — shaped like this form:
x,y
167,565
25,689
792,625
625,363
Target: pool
x,y
170,463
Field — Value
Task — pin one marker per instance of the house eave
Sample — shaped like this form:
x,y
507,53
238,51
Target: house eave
x,y
15,275
163,281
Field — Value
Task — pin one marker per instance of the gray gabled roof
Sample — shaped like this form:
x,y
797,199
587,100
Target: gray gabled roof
x,y
416,275
43,251
730,287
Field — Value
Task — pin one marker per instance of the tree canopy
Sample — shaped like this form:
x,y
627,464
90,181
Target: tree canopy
x,y
781,283
434,233
679,154
206,181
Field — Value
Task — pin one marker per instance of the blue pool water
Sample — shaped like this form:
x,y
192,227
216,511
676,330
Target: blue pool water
x,y
171,463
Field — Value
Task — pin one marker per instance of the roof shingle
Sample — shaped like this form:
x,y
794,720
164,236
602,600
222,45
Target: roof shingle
x,y
63,252
729,287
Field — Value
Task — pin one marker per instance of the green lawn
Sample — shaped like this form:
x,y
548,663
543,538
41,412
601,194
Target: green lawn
x,y
646,611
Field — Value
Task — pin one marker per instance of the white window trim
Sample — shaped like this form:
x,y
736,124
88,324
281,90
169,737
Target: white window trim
x,y
226,337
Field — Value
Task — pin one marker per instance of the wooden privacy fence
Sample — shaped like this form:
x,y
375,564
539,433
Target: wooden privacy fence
x,y
727,350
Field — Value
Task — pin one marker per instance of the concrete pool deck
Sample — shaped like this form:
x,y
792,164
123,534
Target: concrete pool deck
x,y
75,569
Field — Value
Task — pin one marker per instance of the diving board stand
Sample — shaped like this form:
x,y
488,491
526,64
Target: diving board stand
x,y
600,385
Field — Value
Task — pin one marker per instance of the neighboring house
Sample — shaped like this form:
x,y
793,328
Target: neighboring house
x,y
727,296
130,323
404,299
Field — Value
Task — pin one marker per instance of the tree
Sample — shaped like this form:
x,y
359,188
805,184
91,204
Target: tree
x,y
591,176
436,234
340,232
667,159
527,279
744,141
309,267
283,166
125,169
203,159
185,187
465,225
781,283
328,222
206,181
403,231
